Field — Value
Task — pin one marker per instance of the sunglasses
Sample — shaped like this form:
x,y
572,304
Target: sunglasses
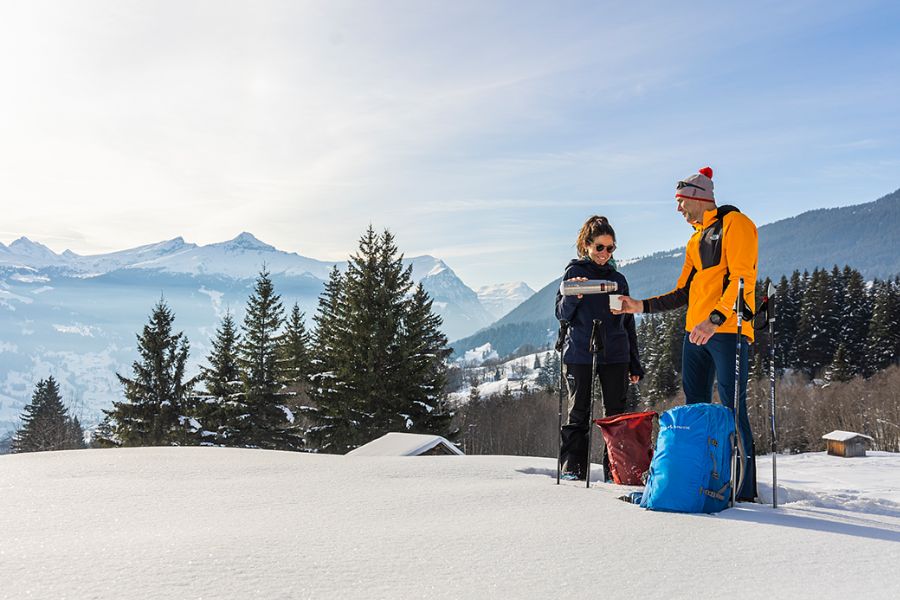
x,y
600,248
683,184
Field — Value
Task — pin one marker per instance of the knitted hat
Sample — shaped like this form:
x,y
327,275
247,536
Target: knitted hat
x,y
698,186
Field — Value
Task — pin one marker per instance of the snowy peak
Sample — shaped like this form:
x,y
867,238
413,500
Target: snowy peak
x,y
162,248
140,257
26,248
500,298
454,301
425,266
246,242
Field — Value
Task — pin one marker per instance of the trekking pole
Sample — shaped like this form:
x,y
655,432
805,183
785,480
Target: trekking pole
x,y
560,340
596,348
739,311
770,313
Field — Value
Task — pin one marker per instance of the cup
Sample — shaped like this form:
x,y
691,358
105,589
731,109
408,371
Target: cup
x,y
615,301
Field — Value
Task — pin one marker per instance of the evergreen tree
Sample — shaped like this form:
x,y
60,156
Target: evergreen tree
x,y
854,319
423,348
818,328
259,419
379,353
46,424
788,296
335,405
663,380
660,339
294,362
156,410
223,383
548,375
883,341
840,368
105,434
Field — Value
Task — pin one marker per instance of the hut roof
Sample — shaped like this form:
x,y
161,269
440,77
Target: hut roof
x,y
844,436
403,444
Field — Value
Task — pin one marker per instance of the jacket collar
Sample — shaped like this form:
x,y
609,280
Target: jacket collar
x,y
711,216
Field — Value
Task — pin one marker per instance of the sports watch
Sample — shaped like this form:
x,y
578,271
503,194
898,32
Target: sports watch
x,y
716,318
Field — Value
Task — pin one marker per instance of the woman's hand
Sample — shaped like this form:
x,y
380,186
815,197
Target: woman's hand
x,y
634,378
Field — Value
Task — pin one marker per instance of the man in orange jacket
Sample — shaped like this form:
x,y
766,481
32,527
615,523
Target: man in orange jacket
x,y
723,249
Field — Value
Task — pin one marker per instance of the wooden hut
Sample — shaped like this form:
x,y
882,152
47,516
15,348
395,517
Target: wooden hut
x,y
846,443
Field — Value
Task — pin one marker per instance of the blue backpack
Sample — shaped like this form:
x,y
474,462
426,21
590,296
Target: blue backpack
x,y
691,469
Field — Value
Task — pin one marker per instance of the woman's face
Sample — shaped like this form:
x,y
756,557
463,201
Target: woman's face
x,y
604,243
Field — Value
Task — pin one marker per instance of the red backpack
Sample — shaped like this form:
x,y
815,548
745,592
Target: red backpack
x,y
629,445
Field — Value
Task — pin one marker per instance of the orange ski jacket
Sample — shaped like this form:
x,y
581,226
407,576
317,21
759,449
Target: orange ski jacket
x,y
723,249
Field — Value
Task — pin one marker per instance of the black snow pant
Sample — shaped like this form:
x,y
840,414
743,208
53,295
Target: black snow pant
x,y
614,384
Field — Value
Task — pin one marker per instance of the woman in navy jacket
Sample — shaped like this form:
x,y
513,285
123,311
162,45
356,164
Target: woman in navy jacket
x,y
619,361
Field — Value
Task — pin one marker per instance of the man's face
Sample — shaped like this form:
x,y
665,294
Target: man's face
x,y
692,210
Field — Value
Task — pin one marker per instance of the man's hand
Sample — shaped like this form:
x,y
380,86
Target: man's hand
x,y
629,306
634,378
702,332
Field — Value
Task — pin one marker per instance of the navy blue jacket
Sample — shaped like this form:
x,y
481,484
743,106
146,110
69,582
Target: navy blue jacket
x,y
619,336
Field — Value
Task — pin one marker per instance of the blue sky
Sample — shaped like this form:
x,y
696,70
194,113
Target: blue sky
x,y
483,133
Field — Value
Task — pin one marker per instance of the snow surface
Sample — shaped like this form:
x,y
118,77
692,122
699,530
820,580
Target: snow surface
x,y
223,523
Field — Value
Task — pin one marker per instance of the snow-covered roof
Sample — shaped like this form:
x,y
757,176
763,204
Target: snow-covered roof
x,y
843,436
403,444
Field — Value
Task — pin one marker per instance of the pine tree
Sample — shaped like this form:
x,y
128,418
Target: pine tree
x,y
818,328
46,424
294,362
260,418
105,434
223,383
156,410
424,350
884,333
855,316
788,297
663,380
548,375
335,404
379,353
840,368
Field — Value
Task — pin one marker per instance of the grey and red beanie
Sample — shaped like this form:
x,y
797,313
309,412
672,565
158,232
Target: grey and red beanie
x,y
698,186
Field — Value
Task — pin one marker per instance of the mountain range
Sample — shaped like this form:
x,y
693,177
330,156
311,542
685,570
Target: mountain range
x,y
864,236
76,316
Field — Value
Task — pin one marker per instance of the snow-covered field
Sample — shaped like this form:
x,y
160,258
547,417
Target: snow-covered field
x,y
223,523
